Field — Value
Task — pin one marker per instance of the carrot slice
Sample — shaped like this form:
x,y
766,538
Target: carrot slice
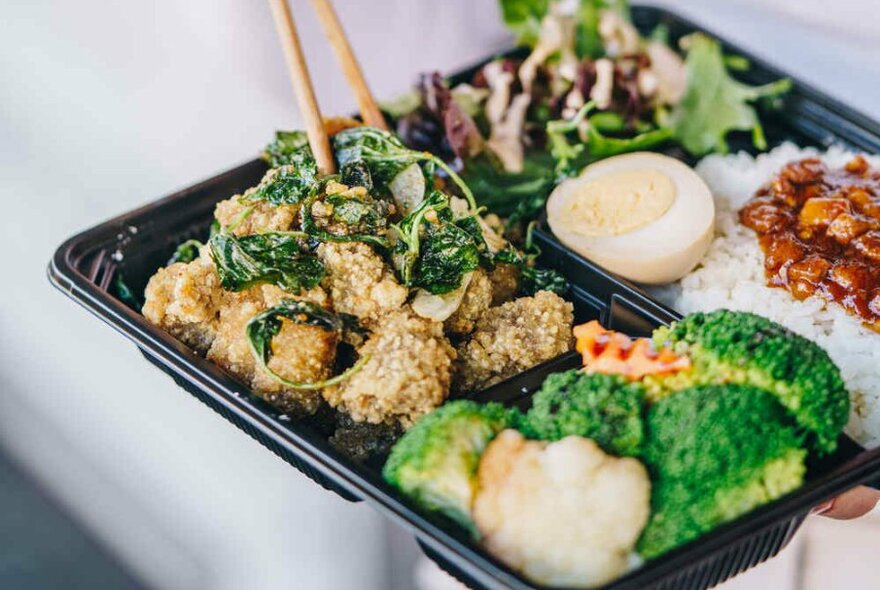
x,y
606,351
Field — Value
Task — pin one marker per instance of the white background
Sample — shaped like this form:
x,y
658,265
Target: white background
x,y
107,105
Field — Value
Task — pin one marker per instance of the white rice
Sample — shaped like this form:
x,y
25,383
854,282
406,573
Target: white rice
x,y
731,276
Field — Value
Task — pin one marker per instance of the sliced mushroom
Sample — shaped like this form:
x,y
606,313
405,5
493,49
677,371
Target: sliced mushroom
x,y
670,71
601,91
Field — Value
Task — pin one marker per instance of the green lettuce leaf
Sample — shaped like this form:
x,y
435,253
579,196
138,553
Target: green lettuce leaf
x,y
714,104
572,157
523,18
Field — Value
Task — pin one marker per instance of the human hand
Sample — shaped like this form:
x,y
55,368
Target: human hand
x,y
851,504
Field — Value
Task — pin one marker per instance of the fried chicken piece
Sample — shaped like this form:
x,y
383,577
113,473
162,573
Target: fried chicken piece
x,y
514,337
505,282
184,300
407,375
564,513
477,299
359,281
263,217
291,359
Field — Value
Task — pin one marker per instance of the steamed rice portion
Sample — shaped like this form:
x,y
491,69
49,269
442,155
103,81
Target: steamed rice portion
x,y
731,275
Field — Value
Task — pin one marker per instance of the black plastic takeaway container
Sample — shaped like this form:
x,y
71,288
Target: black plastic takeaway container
x,y
135,244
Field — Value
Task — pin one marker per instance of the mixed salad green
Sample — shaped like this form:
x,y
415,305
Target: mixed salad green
x,y
590,87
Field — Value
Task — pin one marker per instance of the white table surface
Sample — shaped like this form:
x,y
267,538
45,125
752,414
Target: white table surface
x,y
107,105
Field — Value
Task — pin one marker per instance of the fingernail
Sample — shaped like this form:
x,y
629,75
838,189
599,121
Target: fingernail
x,y
822,508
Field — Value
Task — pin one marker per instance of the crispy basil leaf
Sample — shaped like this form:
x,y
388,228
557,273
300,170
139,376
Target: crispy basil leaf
x,y
273,258
357,173
510,255
434,250
536,279
381,153
533,278
407,246
448,253
186,252
358,215
385,156
714,104
290,185
290,148
125,294
504,193
353,220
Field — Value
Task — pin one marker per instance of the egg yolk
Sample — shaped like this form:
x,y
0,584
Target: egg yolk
x,y
618,202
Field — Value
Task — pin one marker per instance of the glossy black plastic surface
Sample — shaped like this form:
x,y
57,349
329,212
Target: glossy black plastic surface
x,y
137,243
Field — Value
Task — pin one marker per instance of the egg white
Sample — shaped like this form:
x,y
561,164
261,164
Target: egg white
x,y
663,250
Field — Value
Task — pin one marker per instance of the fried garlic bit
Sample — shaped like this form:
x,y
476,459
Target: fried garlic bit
x,y
606,351
563,513
407,373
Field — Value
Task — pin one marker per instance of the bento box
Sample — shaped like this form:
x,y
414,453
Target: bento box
x,y
135,244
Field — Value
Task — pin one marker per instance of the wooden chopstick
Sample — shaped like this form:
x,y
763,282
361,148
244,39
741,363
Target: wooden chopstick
x,y
367,106
302,87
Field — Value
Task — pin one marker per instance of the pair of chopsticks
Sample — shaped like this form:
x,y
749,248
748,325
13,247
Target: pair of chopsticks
x,y
302,82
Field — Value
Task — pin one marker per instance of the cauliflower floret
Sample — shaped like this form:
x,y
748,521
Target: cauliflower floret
x,y
514,337
359,281
264,216
407,375
562,513
290,359
184,300
477,299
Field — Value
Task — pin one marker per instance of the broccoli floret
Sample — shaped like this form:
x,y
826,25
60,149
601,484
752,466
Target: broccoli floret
x,y
735,347
715,452
605,408
435,463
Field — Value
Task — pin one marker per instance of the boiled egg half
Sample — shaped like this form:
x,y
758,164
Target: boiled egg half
x,y
644,216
